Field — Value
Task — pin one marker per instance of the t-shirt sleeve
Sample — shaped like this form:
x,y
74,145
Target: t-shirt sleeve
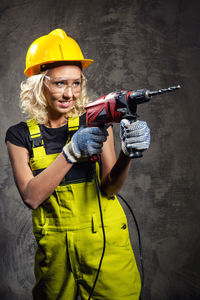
x,y
18,135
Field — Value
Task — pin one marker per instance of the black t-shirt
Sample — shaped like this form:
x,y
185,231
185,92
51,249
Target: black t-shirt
x,y
54,140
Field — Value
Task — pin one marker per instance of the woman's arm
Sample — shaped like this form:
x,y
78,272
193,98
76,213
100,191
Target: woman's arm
x,y
135,135
34,190
114,172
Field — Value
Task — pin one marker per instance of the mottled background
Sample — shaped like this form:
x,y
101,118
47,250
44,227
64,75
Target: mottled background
x,y
135,44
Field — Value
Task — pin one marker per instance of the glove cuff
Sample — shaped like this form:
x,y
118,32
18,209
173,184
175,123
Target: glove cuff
x,y
70,154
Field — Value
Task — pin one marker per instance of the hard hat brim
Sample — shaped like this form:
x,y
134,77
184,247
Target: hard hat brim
x,y
37,69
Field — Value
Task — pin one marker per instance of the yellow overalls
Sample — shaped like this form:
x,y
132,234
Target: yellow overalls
x,y
69,236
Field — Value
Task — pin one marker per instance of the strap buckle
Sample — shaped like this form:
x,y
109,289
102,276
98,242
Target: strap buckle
x,y
37,141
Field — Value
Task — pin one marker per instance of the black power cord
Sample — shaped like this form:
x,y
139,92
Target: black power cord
x,y
139,241
104,235
104,239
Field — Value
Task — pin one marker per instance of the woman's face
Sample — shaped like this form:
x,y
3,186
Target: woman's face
x,y
62,87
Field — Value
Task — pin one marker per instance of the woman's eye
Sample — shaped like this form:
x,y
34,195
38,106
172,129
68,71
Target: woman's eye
x,y
59,83
76,83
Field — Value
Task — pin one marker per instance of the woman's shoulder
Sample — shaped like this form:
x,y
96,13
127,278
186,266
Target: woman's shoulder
x,y
18,134
20,125
19,128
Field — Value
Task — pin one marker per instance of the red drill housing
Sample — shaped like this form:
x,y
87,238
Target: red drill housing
x,y
105,110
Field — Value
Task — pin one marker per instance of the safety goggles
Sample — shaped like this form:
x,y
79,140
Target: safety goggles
x,y
59,84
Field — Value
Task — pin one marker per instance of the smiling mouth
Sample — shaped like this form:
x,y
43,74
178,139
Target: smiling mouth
x,y
65,103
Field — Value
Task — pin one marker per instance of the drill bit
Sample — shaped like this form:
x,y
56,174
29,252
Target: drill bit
x,y
162,91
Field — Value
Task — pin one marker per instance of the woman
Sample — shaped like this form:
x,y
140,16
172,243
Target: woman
x,y
50,156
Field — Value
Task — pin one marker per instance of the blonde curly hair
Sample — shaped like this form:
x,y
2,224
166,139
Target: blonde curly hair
x,y
34,104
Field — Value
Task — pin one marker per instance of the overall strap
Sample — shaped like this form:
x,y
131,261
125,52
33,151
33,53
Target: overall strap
x,y
36,138
73,125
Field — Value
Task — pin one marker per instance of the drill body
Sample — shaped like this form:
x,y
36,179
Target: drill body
x,y
115,106
122,104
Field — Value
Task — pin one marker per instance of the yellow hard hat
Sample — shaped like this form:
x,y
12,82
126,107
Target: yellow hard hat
x,y
52,49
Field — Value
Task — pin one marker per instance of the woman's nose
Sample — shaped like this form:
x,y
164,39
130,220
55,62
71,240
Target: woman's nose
x,y
68,92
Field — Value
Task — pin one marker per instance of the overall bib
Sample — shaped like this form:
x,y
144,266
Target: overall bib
x,y
67,228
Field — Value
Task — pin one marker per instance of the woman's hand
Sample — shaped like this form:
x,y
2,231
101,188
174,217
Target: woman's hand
x,y
134,135
87,141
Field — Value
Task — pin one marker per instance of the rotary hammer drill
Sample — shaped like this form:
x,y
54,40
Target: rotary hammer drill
x,y
122,104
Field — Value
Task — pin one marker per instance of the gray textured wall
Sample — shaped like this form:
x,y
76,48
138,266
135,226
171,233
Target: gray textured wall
x,y
135,44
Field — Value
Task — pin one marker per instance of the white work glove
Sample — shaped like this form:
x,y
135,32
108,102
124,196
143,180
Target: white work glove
x,y
135,135
85,142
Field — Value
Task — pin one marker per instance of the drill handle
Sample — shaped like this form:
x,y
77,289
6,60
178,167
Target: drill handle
x,y
134,153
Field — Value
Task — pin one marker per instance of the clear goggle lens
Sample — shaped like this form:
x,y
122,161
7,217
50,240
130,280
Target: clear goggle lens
x,y
59,84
